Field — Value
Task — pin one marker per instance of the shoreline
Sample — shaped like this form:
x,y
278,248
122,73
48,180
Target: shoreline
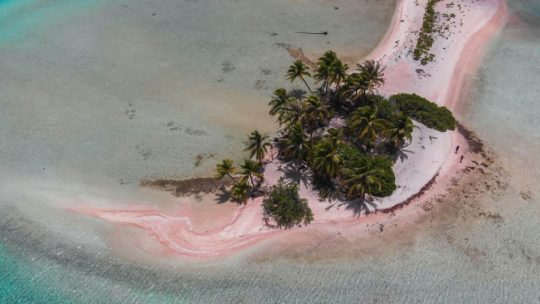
x,y
175,233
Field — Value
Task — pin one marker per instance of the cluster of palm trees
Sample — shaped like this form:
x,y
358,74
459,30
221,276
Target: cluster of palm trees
x,y
336,83
249,177
339,129
368,123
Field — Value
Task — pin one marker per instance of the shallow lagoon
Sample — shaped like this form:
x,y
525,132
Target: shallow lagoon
x,y
130,90
485,261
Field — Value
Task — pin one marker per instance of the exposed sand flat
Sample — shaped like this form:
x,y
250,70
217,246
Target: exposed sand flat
x,y
430,153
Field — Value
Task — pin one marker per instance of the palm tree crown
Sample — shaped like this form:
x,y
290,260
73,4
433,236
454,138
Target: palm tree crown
x,y
355,86
365,123
325,157
257,145
324,69
225,168
240,191
315,114
298,70
338,72
278,102
250,170
294,145
373,74
361,178
330,71
400,129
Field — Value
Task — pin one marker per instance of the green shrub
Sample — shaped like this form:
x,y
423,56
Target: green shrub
x,y
425,111
425,40
385,108
350,153
285,207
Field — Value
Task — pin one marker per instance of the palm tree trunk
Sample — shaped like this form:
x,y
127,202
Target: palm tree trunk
x,y
231,177
309,89
364,96
328,91
251,179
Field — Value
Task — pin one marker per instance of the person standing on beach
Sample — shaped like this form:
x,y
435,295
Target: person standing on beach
x,y
457,149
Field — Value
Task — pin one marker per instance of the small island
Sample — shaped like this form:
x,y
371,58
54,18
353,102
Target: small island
x,y
342,137
352,141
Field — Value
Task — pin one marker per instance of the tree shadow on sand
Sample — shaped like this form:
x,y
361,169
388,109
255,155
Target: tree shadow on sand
x,y
360,205
223,196
297,174
357,206
336,199
298,94
402,155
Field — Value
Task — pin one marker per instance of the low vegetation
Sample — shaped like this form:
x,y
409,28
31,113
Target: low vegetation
x,y
425,111
340,133
283,206
425,37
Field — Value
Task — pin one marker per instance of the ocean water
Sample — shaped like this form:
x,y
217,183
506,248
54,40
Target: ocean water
x,y
50,256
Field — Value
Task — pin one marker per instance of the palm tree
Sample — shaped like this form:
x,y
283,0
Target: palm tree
x,y
257,145
325,157
324,69
298,70
278,102
355,86
251,169
373,74
295,145
335,136
316,113
367,125
338,72
240,191
361,179
226,168
400,129
294,113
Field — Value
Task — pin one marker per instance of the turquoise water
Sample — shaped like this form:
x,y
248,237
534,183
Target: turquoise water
x,y
19,18
22,283
54,257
